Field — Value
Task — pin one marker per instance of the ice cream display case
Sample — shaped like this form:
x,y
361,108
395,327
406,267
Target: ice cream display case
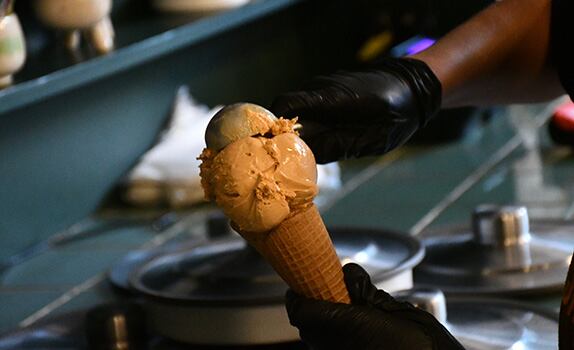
x,y
74,254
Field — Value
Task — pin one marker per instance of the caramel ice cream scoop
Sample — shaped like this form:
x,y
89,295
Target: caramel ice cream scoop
x,y
258,182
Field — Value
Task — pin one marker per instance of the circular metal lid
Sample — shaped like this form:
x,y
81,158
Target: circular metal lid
x,y
63,332
229,273
489,324
501,255
68,332
486,324
214,225
119,274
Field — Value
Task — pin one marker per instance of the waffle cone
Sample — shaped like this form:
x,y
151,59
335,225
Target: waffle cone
x,y
301,251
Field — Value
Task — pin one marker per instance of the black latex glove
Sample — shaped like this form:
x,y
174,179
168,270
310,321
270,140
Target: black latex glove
x,y
355,114
374,320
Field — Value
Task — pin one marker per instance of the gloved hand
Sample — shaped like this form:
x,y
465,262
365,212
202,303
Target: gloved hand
x,y
355,114
374,320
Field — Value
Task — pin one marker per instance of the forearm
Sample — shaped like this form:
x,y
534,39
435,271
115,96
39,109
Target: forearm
x,y
498,56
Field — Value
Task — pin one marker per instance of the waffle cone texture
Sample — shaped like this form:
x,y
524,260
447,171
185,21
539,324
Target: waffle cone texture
x,y
302,253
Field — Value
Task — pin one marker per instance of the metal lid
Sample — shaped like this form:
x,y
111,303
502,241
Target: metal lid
x,y
61,332
119,274
500,255
67,331
214,225
479,324
227,272
487,324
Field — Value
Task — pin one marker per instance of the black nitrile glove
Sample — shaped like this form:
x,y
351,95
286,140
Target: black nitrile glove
x,y
374,320
355,114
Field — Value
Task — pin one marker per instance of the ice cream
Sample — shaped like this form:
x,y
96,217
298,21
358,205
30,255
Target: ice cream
x,y
77,18
72,14
260,181
12,48
264,178
236,121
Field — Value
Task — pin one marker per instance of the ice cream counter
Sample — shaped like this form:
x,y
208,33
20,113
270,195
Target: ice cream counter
x,y
476,227
420,191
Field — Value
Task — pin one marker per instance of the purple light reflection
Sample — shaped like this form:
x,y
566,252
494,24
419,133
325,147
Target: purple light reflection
x,y
420,45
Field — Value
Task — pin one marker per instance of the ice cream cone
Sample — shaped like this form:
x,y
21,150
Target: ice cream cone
x,y
264,177
302,253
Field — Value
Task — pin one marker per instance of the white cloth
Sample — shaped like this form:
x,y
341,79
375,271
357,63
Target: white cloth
x,y
168,174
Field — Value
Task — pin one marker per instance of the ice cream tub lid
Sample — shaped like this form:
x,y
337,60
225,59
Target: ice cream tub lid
x,y
481,323
227,272
504,253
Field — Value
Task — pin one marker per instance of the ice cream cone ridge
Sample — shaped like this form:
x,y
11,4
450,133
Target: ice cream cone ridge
x,y
302,253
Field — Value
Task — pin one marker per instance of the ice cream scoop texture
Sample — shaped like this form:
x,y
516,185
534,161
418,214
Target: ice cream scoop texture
x,y
259,181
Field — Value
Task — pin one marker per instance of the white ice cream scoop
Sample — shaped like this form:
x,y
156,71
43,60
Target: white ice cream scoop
x,y
237,121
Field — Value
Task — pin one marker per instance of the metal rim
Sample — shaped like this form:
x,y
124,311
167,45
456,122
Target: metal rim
x,y
488,323
414,246
465,228
544,233
507,303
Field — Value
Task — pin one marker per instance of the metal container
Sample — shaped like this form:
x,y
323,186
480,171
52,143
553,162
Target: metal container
x,y
502,255
489,324
479,324
223,292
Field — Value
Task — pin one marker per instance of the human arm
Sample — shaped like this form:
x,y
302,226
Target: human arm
x,y
499,56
